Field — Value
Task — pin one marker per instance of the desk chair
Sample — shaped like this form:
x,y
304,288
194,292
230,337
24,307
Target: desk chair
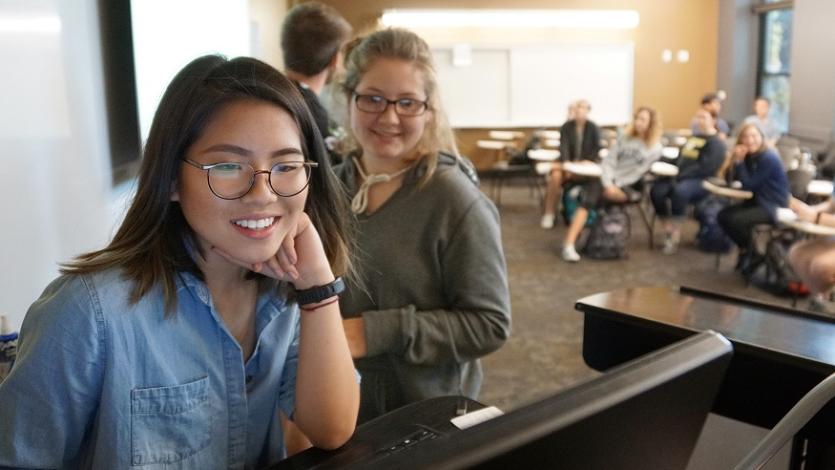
x,y
503,169
791,424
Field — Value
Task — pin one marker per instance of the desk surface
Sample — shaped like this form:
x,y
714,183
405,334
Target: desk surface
x,y
732,193
372,438
779,354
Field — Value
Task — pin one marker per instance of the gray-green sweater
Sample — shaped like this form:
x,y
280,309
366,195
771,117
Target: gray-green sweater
x,y
437,296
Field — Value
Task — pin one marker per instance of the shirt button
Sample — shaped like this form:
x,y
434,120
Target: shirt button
x,y
248,378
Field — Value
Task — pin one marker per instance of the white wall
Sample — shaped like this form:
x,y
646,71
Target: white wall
x,y
54,163
813,71
56,196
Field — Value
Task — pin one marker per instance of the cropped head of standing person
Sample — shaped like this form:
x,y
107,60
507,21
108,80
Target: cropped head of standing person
x,y
312,37
202,301
436,296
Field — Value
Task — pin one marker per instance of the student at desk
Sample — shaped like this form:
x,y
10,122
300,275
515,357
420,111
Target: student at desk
x,y
699,159
212,312
760,171
623,172
814,260
435,297
579,140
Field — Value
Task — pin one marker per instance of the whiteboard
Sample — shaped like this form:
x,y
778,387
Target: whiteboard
x,y
531,86
475,94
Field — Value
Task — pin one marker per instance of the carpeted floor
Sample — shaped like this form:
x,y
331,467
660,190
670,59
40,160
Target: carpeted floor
x,y
543,354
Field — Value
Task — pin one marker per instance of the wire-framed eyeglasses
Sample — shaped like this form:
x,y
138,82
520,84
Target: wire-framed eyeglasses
x,y
233,180
378,104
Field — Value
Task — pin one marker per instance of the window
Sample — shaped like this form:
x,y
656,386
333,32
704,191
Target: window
x,y
775,62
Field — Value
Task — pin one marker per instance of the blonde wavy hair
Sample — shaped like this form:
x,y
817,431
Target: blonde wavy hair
x,y
402,44
654,130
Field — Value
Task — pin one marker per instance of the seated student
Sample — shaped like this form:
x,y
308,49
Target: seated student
x,y
760,171
763,121
814,260
699,159
623,171
181,343
436,297
579,140
712,103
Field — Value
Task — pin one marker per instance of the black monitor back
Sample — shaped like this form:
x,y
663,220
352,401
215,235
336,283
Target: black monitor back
x,y
645,414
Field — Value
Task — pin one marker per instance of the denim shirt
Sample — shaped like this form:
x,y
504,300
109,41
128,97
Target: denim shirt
x,y
103,383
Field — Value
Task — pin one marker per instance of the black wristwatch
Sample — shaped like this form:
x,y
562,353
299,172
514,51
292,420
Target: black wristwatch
x,y
319,293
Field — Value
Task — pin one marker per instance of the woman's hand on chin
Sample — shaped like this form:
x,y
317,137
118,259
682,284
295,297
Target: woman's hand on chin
x,y
300,259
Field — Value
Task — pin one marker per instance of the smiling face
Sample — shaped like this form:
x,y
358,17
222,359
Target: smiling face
x,y
252,227
751,138
389,141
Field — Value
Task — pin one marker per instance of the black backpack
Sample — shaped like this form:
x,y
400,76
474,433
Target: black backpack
x,y
609,234
775,274
711,237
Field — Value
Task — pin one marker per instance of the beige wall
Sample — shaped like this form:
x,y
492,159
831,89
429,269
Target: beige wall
x,y
268,15
675,89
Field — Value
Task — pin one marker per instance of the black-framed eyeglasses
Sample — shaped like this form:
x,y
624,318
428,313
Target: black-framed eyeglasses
x,y
378,104
233,180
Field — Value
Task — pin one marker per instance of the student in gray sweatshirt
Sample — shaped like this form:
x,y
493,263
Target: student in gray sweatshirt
x,y
435,296
623,171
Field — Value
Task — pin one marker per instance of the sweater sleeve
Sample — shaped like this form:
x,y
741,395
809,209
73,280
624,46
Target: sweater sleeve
x,y
609,165
595,143
766,168
477,319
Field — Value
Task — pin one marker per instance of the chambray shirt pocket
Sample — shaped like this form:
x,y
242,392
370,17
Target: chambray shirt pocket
x,y
170,424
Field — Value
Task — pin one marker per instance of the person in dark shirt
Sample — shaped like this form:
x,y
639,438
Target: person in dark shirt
x,y
312,37
699,159
579,140
712,103
760,171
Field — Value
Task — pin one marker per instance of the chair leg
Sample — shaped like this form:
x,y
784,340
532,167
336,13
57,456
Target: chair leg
x,y
500,182
718,261
652,232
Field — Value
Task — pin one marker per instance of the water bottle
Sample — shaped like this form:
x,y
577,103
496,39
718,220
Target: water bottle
x,y
8,347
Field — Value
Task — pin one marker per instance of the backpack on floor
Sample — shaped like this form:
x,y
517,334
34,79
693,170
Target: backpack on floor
x,y
711,237
775,275
609,234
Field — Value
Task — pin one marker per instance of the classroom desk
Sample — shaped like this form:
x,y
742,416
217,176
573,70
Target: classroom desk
x,y
779,353
378,435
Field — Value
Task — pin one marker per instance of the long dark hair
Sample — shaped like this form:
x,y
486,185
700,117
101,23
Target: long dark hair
x,y
152,243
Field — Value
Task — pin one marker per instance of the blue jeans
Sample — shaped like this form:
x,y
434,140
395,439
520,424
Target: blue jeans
x,y
678,193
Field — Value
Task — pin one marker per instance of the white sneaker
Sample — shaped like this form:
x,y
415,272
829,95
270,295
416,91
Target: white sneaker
x,y
547,221
570,254
670,245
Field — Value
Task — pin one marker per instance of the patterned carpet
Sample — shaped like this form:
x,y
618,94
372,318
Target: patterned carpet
x,y
543,354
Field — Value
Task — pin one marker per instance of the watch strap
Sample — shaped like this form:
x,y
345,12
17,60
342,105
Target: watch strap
x,y
319,293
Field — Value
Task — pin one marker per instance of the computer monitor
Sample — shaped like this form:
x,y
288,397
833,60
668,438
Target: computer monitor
x,y
647,413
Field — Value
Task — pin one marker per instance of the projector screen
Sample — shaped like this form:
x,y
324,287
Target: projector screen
x,y
531,86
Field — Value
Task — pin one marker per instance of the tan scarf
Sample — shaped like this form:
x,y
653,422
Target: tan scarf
x,y
360,201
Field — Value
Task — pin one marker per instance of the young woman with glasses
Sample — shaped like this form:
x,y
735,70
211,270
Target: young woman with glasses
x,y
212,312
435,297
